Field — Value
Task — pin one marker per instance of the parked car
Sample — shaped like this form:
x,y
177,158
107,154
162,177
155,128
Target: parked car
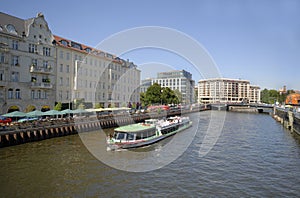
x,y
5,120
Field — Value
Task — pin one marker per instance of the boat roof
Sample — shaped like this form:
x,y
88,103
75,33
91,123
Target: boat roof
x,y
134,128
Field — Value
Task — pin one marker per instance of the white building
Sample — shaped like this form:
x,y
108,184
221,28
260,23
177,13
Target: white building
x,y
224,90
27,64
180,80
91,76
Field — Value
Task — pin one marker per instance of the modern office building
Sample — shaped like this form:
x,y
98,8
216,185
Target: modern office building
x,y
38,70
224,90
90,76
180,80
27,64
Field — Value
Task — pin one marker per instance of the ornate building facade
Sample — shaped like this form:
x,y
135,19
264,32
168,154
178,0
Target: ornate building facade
x,y
39,69
27,64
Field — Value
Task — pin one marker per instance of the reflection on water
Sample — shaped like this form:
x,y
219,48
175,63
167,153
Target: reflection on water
x,y
254,157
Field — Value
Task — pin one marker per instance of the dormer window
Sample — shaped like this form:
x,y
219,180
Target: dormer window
x,y
64,43
11,29
88,50
76,45
109,55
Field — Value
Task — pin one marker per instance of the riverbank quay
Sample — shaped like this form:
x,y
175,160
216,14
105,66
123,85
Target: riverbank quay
x,y
289,119
20,133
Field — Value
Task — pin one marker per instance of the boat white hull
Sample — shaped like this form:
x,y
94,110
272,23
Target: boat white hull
x,y
142,143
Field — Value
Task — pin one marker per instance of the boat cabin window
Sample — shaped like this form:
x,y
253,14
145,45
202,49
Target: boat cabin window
x,y
120,136
145,134
150,121
130,136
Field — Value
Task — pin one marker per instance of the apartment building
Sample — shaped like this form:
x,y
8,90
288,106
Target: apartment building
x,y
180,80
27,64
224,90
90,76
39,69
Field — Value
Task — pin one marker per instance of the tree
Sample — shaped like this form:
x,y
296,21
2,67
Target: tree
x,y
265,96
178,95
58,106
153,94
143,98
168,96
157,95
272,96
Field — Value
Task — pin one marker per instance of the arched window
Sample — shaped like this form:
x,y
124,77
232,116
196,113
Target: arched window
x,y
11,29
10,93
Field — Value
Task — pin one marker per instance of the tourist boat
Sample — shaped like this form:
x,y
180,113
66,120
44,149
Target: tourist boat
x,y
149,132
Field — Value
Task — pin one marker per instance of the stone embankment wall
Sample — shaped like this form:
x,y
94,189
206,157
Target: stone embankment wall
x,y
41,130
288,119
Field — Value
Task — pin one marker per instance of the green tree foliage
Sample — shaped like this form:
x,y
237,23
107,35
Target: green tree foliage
x,y
272,96
58,106
155,94
178,95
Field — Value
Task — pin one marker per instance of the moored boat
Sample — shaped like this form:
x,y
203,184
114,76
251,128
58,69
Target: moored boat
x,y
149,132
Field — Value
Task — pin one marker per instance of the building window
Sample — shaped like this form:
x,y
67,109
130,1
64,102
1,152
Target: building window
x,y
45,64
32,94
46,51
2,58
18,94
60,95
10,93
11,29
39,94
15,76
76,45
67,95
68,69
15,60
61,81
68,56
61,68
68,81
32,48
1,75
61,54
34,62
15,45
63,42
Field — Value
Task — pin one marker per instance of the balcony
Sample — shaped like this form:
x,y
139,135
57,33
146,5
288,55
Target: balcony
x,y
41,85
41,70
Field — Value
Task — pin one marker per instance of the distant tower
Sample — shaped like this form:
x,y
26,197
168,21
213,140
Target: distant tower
x,y
284,89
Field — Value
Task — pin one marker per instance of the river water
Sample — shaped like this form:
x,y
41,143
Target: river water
x,y
254,156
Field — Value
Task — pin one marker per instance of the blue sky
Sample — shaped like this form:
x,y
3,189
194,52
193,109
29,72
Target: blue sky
x,y
255,40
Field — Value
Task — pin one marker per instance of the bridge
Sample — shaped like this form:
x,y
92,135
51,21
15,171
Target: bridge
x,y
243,107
